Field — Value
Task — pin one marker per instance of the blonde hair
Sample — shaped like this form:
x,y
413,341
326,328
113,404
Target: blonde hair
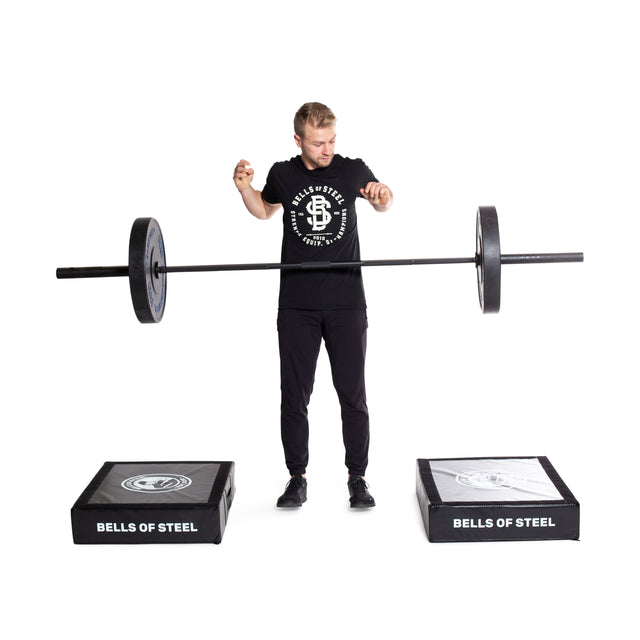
x,y
316,114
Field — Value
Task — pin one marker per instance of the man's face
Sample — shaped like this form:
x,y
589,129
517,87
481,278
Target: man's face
x,y
317,146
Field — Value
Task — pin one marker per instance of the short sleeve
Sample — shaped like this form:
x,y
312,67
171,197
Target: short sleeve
x,y
366,177
270,193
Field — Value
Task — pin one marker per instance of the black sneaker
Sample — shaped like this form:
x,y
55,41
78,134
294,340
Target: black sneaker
x,y
295,493
360,498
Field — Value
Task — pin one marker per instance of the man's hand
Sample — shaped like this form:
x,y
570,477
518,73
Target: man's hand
x,y
378,194
243,175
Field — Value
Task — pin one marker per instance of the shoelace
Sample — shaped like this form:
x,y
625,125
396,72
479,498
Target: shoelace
x,y
295,482
358,485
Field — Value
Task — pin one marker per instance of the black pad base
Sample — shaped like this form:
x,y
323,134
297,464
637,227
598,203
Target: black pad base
x,y
155,502
483,499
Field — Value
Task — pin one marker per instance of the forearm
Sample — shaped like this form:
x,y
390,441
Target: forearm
x,y
256,205
253,201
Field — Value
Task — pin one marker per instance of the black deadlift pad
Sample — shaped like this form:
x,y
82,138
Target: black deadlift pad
x,y
490,499
155,502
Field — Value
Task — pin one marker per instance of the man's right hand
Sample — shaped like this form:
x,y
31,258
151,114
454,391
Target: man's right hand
x,y
243,175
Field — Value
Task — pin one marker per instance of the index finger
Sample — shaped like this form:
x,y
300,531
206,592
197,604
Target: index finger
x,y
368,187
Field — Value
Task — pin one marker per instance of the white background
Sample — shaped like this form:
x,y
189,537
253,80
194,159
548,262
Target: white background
x,y
117,110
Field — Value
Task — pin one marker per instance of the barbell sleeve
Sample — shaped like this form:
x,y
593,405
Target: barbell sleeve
x,y
91,272
539,258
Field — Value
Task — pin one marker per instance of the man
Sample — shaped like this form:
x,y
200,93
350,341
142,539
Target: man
x,y
318,190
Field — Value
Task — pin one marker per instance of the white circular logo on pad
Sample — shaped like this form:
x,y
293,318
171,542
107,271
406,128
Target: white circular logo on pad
x,y
156,482
488,479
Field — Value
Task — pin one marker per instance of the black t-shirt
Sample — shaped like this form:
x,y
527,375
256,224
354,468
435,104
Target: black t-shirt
x,y
319,225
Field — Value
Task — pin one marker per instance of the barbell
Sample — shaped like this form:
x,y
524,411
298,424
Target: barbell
x,y
147,270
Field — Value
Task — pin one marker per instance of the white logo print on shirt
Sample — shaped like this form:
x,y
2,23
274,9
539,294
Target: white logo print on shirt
x,y
320,217
322,209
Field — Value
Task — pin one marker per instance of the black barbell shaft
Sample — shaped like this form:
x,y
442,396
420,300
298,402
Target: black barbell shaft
x,y
529,258
286,266
110,272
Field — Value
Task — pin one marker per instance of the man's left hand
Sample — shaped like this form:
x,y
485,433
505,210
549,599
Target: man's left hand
x,y
378,194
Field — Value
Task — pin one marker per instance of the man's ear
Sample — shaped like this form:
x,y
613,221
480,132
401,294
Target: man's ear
x,y
298,139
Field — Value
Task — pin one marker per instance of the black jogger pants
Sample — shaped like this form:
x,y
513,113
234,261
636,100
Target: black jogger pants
x,y
300,334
